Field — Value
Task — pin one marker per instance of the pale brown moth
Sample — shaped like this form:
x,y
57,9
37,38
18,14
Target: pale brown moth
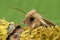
x,y
33,19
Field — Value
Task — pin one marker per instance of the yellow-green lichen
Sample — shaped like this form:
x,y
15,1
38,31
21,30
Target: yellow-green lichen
x,y
41,33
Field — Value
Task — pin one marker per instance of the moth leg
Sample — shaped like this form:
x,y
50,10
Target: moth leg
x,y
33,25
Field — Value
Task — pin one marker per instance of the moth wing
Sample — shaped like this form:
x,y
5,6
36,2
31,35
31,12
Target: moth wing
x,y
49,22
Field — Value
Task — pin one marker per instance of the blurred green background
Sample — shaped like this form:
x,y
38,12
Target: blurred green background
x,y
50,9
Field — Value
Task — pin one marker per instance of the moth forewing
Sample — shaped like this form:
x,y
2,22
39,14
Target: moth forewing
x,y
39,17
49,22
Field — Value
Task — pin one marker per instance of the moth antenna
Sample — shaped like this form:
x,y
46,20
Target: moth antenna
x,y
19,10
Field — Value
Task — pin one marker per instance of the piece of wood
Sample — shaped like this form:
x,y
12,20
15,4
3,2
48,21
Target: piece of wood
x,y
15,35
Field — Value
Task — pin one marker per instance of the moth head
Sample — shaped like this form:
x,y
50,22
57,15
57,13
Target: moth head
x,y
30,13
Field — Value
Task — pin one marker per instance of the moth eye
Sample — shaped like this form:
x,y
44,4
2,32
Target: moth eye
x,y
31,19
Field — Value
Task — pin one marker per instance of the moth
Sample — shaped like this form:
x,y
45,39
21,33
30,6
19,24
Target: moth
x,y
34,19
